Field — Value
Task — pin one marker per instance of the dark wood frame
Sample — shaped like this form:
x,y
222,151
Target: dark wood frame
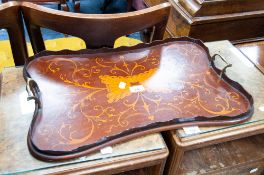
x,y
93,29
96,30
11,20
213,20
155,127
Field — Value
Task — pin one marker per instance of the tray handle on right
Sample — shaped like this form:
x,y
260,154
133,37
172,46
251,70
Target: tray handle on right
x,y
224,60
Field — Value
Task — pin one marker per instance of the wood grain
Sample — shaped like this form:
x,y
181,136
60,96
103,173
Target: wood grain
x,y
97,30
147,151
11,20
228,158
215,20
247,74
254,51
98,112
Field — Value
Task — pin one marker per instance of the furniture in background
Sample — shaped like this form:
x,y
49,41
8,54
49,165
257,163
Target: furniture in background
x,y
145,154
237,157
217,150
103,28
62,4
211,20
254,51
11,20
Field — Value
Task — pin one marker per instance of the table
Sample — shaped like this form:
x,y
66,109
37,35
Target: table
x,y
254,51
212,20
182,145
148,152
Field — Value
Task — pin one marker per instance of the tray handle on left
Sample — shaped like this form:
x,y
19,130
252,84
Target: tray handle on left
x,y
33,91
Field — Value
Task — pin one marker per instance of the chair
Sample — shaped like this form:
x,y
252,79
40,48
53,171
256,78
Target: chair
x,y
96,30
62,3
11,20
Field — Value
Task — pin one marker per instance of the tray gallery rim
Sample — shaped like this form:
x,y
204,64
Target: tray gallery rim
x,y
139,131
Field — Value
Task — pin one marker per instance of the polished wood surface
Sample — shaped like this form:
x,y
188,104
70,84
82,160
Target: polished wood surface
x,y
11,20
214,7
95,36
254,51
211,20
239,157
252,79
99,111
149,151
96,30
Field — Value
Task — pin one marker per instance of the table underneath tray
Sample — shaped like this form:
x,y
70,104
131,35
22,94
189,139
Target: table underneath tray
x,y
148,152
210,151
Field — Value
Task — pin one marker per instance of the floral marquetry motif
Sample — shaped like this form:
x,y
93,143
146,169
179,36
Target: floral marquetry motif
x,y
89,100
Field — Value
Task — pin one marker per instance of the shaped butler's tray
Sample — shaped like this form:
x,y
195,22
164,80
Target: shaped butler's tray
x,y
88,99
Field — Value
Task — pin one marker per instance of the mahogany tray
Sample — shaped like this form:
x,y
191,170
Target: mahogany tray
x,y
88,99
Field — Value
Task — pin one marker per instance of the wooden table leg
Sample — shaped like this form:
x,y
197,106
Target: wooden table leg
x,y
156,169
175,158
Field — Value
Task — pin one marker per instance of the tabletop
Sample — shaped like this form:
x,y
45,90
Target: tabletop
x,y
251,78
15,118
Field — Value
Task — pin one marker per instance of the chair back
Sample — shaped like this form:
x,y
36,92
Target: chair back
x,y
97,30
11,20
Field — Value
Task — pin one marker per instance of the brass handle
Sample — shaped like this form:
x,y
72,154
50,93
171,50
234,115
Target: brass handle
x,y
224,60
32,90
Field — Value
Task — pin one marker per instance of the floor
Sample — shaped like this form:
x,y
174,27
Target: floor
x,y
88,7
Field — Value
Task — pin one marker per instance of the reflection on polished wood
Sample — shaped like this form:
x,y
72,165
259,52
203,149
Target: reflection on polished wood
x,y
211,20
85,108
238,157
102,30
149,151
252,79
254,52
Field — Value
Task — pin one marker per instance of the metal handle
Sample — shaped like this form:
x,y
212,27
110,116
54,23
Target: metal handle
x,y
224,60
31,95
